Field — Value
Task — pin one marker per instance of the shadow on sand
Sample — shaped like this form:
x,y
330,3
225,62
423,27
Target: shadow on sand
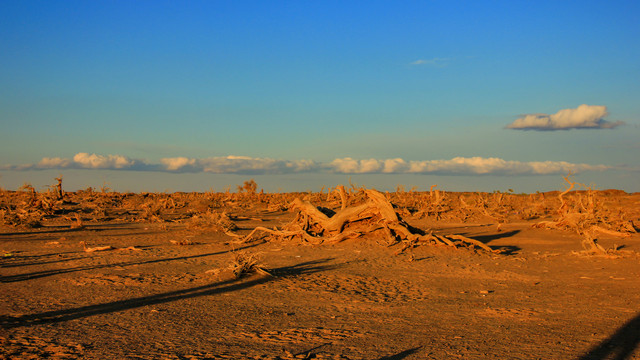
x,y
57,316
620,345
505,249
45,273
58,229
401,355
486,238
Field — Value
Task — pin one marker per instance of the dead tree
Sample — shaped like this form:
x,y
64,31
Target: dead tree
x,y
375,216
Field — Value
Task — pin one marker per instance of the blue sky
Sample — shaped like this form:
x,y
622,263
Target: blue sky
x,y
205,94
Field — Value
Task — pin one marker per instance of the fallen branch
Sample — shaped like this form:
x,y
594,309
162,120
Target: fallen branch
x,y
106,248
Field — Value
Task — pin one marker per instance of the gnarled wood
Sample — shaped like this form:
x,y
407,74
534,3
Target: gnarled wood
x,y
315,226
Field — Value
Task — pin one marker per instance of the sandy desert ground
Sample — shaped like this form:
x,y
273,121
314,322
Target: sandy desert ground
x,y
104,275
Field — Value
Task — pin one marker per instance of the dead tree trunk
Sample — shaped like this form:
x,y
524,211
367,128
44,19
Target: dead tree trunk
x,y
375,215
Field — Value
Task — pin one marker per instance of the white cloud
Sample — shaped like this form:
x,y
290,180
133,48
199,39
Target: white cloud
x,y
351,166
562,167
369,166
85,161
233,164
94,161
395,166
249,165
582,117
459,166
178,163
345,165
53,163
435,62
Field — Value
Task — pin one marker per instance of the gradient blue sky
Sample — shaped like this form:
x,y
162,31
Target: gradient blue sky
x,y
422,81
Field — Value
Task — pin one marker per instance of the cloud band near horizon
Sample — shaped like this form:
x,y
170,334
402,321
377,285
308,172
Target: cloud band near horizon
x,y
258,166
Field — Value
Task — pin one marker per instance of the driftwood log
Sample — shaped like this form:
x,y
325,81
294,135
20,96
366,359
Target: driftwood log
x,y
376,215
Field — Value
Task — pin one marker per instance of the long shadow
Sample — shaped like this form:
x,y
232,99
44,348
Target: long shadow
x,y
57,316
54,229
486,238
27,260
63,229
30,260
46,273
43,262
45,255
401,355
307,353
505,249
620,345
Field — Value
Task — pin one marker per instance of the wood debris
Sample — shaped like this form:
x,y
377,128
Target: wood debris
x,y
375,216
